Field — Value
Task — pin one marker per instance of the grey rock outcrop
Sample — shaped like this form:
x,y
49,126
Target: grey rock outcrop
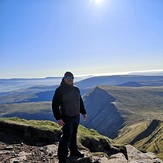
x,y
48,154
134,156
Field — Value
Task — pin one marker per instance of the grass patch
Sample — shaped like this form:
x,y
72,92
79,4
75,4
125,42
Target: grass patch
x,y
90,133
44,125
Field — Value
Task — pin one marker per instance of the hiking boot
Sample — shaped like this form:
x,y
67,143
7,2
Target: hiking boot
x,y
124,151
77,154
62,161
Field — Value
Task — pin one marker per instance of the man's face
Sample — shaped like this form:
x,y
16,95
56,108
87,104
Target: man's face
x,y
69,80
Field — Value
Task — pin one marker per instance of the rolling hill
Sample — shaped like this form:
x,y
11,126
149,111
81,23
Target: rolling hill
x,y
120,79
37,90
28,110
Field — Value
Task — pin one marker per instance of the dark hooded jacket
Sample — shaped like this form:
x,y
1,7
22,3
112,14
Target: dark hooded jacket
x,y
67,101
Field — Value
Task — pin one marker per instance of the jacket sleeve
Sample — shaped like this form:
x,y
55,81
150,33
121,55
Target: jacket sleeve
x,y
56,102
82,108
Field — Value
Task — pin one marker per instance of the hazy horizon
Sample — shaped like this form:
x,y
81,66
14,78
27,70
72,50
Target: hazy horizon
x,y
145,73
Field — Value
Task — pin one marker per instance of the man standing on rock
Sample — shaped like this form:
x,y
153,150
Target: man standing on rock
x,y
67,105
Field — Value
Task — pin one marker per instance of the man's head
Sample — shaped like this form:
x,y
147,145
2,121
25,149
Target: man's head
x,y
68,78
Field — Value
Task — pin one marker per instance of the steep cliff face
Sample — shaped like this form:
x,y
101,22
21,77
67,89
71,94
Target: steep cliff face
x,y
103,115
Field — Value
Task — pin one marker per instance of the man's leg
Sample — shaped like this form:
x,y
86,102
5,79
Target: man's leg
x,y
73,143
65,141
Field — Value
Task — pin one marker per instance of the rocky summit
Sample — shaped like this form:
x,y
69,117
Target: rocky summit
x,y
22,153
15,147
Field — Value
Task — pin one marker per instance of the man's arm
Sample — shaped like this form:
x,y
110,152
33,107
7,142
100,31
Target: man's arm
x,y
82,109
56,102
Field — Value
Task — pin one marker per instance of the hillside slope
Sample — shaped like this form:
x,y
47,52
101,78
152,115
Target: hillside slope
x,y
28,110
112,107
137,103
146,136
103,115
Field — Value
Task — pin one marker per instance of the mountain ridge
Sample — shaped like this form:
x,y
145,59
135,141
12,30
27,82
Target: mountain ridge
x,y
103,106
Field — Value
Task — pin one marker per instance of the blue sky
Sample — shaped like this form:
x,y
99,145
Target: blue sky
x,y
40,38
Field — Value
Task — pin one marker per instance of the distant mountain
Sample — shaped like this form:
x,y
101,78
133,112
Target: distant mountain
x,y
119,79
144,83
131,84
35,90
31,94
30,90
7,85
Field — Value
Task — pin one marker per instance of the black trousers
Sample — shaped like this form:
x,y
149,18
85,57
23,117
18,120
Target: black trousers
x,y
69,138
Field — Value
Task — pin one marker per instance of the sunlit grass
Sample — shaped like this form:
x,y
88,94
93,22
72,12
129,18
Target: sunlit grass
x,y
44,125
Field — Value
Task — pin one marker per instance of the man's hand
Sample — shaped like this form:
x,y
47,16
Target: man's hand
x,y
85,117
60,122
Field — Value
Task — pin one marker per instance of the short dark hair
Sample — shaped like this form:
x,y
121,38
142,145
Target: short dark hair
x,y
68,74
